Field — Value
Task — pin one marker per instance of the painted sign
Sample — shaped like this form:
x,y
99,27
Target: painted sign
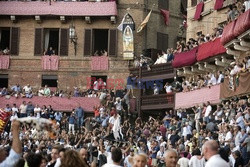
x,y
128,43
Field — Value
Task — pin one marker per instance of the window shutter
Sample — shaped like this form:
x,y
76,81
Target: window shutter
x,y
14,46
193,3
162,41
112,43
163,4
38,42
159,41
87,42
64,39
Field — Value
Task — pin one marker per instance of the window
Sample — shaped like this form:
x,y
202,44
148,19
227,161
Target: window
x,y
50,80
193,3
99,40
162,41
163,4
183,7
4,81
51,37
9,38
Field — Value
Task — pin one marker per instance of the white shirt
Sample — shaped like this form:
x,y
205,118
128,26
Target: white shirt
x,y
213,80
208,110
216,161
237,138
168,89
221,76
247,5
111,165
27,89
14,109
118,105
183,162
195,162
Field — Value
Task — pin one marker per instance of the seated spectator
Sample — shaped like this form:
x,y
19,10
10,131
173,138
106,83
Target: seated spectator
x,y
40,92
16,90
28,91
3,92
46,91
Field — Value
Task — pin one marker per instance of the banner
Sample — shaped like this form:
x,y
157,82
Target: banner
x,y
128,43
4,119
144,23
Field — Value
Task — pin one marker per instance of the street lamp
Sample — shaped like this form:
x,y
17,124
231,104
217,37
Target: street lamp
x,y
73,36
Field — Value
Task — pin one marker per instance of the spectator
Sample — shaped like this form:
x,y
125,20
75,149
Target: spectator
x,y
210,151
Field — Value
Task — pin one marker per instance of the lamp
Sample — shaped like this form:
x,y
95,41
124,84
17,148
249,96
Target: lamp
x,y
72,35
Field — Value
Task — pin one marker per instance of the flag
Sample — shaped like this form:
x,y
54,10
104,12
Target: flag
x,y
144,23
165,14
121,24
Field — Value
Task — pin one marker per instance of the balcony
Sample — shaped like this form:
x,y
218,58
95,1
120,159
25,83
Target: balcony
x,y
235,37
158,71
153,102
199,96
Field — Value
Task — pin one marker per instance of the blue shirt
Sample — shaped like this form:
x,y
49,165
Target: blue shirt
x,y
11,160
16,88
71,120
79,112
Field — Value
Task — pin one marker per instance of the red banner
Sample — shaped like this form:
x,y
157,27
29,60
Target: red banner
x,y
4,61
199,9
50,62
99,63
218,4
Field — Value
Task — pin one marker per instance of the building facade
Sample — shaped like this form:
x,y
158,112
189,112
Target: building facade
x,y
28,29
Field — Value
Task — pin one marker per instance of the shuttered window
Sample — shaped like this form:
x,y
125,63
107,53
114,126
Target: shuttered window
x,y
14,46
163,4
162,41
58,39
112,43
87,42
64,42
38,42
193,3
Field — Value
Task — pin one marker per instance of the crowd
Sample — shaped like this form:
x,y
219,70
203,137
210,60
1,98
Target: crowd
x,y
112,138
28,92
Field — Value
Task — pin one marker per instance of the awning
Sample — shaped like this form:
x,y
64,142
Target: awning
x,y
185,58
218,4
199,9
236,28
242,23
192,98
228,33
210,49
58,8
57,103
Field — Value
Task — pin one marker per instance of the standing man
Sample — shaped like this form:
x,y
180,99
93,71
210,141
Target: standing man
x,y
71,121
210,151
79,116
